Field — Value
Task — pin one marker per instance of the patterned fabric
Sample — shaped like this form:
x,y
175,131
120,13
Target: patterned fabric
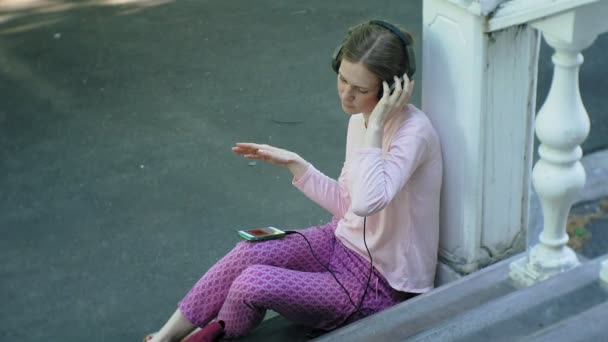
x,y
282,275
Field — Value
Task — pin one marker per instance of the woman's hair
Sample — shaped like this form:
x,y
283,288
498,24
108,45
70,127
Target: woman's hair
x,y
380,50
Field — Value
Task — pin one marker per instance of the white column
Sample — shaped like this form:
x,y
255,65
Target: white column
x,y
478,91
562,125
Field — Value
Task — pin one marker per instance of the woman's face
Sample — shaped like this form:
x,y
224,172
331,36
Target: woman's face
x,y
357,88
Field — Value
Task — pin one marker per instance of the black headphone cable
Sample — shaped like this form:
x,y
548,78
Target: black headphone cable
x,y
359,307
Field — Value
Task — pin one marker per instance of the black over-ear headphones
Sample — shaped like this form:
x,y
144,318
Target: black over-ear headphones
x,y
409,52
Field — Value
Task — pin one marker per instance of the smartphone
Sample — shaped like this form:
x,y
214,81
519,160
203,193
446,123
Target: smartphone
x,y
259,234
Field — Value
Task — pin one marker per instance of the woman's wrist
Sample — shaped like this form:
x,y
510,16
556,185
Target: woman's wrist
x,y
373,135
297,166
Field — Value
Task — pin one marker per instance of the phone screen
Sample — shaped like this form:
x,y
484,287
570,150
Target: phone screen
x,y
261,233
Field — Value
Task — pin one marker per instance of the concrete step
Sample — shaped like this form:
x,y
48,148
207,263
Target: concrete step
x,y
277,329
524,312
487,306
589,325
432,309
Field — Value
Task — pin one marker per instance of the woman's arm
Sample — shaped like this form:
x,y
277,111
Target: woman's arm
x,y
378,178
328,193
323,190
277,156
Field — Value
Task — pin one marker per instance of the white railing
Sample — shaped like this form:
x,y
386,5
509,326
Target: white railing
x,y
562,124
604,273
480,59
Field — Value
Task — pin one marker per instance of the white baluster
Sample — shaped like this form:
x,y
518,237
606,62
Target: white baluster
x,y
604,273
562,124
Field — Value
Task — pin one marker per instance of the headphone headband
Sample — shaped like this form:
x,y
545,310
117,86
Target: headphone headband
x,y
397,32
409,52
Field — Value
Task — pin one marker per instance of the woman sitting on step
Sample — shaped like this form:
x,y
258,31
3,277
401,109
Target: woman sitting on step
x,y
379,249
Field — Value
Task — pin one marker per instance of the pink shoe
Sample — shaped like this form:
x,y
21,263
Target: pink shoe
x,y
210,333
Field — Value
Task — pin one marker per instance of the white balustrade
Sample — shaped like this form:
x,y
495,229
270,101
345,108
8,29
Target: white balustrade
x,y
562,124
604,273
480,60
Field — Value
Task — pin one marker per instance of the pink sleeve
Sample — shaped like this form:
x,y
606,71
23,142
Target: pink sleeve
x,y
330,194
377,179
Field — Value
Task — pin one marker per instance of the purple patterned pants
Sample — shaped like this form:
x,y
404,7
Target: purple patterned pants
x,y
282,275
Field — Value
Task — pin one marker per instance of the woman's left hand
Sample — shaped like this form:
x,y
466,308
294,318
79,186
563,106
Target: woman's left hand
x,y
274,155
391,102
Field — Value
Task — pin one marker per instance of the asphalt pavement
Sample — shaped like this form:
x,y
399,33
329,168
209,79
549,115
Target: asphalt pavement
x,y
118,188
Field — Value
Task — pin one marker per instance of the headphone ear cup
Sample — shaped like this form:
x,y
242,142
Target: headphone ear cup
x,y
336,58
411,61
391,88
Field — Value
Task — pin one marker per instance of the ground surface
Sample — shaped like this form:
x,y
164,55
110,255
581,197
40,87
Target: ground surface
x,y
118,187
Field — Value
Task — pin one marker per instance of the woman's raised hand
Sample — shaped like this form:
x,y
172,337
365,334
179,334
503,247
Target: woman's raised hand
x,y
264,152
273,155
392,102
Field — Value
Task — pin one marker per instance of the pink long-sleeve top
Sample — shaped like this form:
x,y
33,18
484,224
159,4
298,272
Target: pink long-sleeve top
x,y
397,188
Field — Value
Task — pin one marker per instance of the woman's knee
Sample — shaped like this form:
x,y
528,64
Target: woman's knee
x,y
247,253
253,284
257,250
